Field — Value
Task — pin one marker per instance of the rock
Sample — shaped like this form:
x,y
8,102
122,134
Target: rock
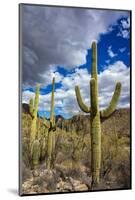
x,y
71,180
45,191
30,192
27,184
81,187
60,185
68,187
78,185
36,188
36,173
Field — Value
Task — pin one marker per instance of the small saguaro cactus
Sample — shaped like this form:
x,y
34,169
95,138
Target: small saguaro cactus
x,y
34,143
43,139
33,109
96,115
51,134
35,153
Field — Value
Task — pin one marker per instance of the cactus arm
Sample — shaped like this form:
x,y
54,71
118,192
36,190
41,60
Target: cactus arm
x,y
52,125
45,123
80,101
112,106
93,96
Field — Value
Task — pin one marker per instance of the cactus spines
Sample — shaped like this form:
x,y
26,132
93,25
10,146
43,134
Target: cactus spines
x,y
52,128
96,115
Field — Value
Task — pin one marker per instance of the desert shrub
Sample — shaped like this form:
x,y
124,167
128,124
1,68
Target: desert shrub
x,y
60,158
26,172
73,172
115,161
26,152
38,181
122,168
52,182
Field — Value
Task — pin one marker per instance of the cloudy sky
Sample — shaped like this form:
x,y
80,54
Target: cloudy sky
x,y
57,41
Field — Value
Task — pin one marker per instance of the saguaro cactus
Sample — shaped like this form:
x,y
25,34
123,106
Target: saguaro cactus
x,y
95,115
35,153
52,128
33,109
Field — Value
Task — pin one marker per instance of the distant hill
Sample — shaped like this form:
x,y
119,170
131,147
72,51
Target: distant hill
x,y
119,121
25,108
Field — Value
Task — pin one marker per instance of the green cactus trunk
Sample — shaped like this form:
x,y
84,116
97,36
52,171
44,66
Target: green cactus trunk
x,y
95,122
49,150
35,153
95,116
53,150
33,109
51,136
42,148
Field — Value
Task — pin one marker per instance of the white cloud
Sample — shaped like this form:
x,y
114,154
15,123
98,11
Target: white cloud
x,y
48,76
107,61
110,52
54,36
125,23
65,99
122,49
118,72
27,95
124,29
124,33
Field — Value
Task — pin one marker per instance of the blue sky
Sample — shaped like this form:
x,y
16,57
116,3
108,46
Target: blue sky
x,y
66,54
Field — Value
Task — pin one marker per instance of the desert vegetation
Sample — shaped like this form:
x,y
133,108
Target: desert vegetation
x,y
71,169
84,153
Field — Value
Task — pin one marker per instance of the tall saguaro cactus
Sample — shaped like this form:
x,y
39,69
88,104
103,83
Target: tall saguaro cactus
x,y
95,115
51,135
33,109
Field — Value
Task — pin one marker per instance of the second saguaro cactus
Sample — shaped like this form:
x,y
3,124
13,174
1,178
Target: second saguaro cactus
x,y
51,134
33,109
96,115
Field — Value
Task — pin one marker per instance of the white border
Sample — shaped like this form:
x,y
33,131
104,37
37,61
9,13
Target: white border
x,y
9,97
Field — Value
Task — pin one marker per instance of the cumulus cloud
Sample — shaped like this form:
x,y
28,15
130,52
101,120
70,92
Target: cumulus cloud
x,y
65,99
117,72
53,36
124,28
110,52
125,23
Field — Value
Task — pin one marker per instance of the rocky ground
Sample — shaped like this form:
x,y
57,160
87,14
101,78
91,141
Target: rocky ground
x,y
49,181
